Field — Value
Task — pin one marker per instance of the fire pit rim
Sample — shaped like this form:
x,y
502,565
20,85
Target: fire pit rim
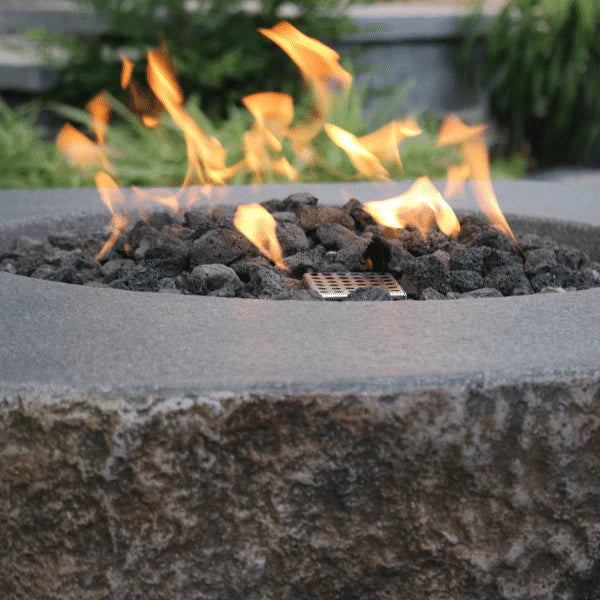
x,y
61,336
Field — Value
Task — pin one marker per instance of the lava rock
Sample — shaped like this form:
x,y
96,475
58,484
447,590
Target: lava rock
x,y
572,258
142,233
300,263
265,284
361,217
310,217
28,244
469,258
65,240
483,293
44,272
80,270
465,281
113,267
160,219
431,294
201,221
220,246
245,267
492,238
284,217
369,293
335,236
506,279
492,259
539,260
138,280
423,272
388,255
216,280
291,238
292,203
169,258
352,256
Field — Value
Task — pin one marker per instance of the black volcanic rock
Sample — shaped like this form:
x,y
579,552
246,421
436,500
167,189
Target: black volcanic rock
x,y
220,246
423,272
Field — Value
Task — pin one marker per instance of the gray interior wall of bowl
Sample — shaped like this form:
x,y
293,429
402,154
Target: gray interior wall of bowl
x,y
395,42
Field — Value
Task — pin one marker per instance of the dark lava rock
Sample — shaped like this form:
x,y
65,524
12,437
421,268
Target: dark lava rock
x,y
431,294
468,259
265,284
335,236
492,238
216,280
244,267
116,265
284,217
160,219
352,256
300,263
369,293
64,240
507,279
44,272
361,217
539,260
311,217
423,272
291,238
572,258
79,270
465,281
387,255
169,258
220,246
291,203
492,259
141,233
483,293
139,280
201,221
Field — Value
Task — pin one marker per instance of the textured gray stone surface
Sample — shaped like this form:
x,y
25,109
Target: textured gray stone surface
x,y
158,446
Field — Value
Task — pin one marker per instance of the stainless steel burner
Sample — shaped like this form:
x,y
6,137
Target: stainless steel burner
x,y
337,286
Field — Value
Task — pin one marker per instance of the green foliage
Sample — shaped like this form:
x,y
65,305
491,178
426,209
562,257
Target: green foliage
x,y
218,52
542,62
27,160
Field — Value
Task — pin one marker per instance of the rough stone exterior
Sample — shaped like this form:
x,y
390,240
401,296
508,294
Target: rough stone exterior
x,y
491,492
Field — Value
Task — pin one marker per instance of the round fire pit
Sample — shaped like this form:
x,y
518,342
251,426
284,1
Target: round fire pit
x,y
160,446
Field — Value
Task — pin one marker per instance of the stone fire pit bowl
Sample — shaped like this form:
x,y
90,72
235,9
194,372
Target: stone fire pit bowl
x,y
159,446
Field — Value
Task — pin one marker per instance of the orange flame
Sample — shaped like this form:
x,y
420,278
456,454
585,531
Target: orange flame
x,y
113,198
455,180
365,162
256,223
454,131
318,63
273,112
126,71
99,109
79,150
421,207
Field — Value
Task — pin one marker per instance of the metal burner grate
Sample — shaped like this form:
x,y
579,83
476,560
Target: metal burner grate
x,y
336,286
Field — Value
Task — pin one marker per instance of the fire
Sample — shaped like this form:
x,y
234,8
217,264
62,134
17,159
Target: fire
x,y
421,207
112,197
318,63
256,223
475,156
275,145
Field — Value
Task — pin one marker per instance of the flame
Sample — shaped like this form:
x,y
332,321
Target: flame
x,y
257,224
112,197
273,113
420,207
384,142
318,63
126,71
99,109
79,150
365,162
455,180
475,155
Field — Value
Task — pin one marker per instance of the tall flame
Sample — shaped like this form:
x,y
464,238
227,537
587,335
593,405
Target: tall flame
x,y
99,109
421,207
475,155
113,199
79,150
318,63
256,223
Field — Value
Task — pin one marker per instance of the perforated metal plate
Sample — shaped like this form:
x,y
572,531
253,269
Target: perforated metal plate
x,y
337,286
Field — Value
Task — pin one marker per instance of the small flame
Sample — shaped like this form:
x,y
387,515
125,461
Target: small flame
x,y
99,109
256,223
318,63
273,112
421,207
79,150
126,71
113,198
455,180
365,162
475,155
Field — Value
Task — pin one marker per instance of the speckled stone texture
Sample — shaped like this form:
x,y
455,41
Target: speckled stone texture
x,y
481,492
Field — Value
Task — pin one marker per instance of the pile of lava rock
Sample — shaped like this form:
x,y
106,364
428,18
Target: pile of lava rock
x,y
200,252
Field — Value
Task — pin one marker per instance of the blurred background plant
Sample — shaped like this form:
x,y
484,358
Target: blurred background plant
x,y
542,66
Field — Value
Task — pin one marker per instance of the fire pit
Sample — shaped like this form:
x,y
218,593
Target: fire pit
x,y
180,446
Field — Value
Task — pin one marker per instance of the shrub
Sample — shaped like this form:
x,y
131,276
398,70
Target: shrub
x,y
542,63
215,45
